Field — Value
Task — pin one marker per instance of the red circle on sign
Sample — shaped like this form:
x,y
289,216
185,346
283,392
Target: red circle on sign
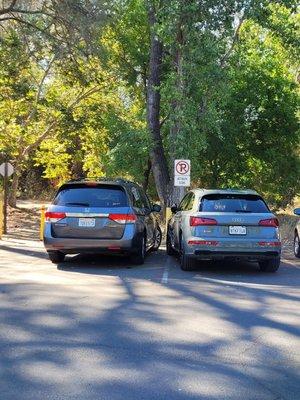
x,y
182,167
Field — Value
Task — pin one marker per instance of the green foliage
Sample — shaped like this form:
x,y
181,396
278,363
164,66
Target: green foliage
x,y
229,92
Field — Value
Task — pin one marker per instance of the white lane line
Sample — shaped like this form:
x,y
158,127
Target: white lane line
x,y
165,277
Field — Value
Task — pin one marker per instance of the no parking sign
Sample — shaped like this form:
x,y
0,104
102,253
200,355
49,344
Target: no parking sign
x,y
182,172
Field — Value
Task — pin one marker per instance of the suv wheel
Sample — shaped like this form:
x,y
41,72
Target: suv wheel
x,y
56,256
170,250
138,258
187,263
270,265
157,239
297,245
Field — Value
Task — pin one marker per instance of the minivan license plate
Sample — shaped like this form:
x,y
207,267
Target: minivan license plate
x,y
237,230
87,222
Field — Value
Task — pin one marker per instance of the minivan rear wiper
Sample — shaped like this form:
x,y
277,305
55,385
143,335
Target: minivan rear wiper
x,y
243,211
77,204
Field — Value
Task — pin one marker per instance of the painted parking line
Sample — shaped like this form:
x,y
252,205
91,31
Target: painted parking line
x,y
165,276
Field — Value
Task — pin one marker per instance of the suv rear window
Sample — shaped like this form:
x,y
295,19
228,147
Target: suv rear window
x,y
95,196
233,203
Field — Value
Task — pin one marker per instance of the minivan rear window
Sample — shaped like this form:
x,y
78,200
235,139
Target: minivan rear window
x,y
94,196
233,203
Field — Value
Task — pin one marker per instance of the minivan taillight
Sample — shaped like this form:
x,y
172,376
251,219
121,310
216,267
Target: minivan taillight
x,y
273,222
197,221
123,218
51,216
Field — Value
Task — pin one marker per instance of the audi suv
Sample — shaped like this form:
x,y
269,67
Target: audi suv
x,y
224,224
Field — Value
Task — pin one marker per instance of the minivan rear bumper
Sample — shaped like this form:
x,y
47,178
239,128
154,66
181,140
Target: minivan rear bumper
x,y
126,245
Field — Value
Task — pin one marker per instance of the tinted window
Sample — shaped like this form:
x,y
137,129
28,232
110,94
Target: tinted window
x,y
190,203
137,200
185,201
233,203
100,196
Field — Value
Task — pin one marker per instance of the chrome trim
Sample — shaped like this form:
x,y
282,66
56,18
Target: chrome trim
x,y
86,215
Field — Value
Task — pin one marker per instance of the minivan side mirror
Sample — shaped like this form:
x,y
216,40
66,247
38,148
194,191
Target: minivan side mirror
x,y
297,211
156,208
174,208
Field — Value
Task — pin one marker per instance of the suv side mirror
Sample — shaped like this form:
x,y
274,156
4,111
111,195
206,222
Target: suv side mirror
x,y
156,208
174,208
297,211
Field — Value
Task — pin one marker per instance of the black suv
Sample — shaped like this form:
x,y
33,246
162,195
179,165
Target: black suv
x,y
101,216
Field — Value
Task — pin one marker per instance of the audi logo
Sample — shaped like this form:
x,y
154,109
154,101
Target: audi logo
x,y
237,219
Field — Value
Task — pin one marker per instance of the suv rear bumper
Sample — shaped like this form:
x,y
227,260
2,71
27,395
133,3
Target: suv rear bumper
x,y
236,255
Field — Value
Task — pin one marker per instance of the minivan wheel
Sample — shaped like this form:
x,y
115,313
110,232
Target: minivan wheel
x,y
157,239
269,265
138,258
297,245
56,256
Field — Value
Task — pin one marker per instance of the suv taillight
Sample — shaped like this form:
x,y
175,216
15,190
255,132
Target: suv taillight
x,y
273,222
54,216
197,221
123,218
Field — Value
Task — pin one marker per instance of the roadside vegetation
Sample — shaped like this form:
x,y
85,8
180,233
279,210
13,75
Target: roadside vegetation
x,y
122,88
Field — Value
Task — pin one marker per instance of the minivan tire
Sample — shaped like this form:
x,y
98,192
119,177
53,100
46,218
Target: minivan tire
x,y
270,265
138,258
56,256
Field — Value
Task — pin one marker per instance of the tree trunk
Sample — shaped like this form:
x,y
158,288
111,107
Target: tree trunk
x,y
176,192
147,175
157,153
12,198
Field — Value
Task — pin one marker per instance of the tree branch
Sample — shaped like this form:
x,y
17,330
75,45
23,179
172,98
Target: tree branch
x,y
9,8
54,122
233,43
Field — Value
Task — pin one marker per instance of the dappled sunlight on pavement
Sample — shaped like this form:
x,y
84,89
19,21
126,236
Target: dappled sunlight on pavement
x,y
99,327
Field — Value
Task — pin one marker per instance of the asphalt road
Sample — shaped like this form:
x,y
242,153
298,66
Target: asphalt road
x,y
98,328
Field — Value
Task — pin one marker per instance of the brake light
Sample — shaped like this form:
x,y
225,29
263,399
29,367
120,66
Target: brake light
x,y
273,222
197,221
51,216
92,184
269,244
123,218
203,242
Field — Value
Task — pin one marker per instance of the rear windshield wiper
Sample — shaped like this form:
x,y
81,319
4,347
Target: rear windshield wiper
x,y
243,211
77,204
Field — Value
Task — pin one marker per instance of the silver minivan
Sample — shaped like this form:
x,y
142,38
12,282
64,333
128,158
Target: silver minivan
x,y
224,224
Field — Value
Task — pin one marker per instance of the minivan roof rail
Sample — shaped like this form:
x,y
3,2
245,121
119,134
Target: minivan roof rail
x,y
99,179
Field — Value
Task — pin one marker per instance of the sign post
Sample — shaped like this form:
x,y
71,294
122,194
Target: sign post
x,y
6,170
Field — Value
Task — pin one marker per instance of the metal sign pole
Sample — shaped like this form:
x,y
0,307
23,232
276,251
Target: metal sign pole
x,y
5,187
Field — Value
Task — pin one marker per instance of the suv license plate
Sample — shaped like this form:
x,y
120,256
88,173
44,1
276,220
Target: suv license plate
x,y
237,230
87,222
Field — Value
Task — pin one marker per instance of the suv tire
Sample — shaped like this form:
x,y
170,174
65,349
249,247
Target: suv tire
x,y
157,238
187,263
270,265
56,256
169,248
138,258
296,245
